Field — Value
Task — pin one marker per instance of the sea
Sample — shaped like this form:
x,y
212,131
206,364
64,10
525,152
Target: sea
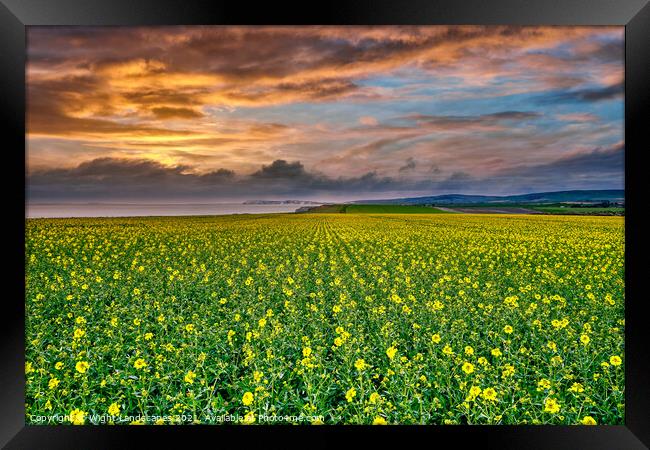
x,y
53,210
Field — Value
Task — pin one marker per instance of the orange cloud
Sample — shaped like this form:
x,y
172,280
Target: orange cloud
x,y
152,91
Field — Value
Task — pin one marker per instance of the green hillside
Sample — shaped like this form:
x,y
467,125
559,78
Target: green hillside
x,y
377,209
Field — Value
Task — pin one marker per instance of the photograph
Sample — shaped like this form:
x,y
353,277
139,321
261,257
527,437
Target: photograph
x,y
325,225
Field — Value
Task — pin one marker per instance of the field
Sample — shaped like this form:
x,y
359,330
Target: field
x,y
334,318
595,211
377,209
392,209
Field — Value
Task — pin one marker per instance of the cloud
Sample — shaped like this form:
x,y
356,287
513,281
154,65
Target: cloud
x,y
410,165
130,70
578,117
309,109
600,168
485,121
586,95
115,179
368,121
165,112
280,169
597,163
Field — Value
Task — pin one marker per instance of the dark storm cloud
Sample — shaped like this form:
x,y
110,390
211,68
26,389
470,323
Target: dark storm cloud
x,y
280,169
110,178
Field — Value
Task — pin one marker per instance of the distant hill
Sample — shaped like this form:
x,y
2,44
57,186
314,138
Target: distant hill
x,y
611,195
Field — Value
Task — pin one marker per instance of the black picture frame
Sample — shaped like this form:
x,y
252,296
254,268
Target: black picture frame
x,y
15,15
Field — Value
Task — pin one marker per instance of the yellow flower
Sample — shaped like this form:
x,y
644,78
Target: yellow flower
x,y
29,368
474,392
390,352
249,417
58,365
189,377
447,350
584,339
577,387
543,384
306,352
54,382
551,405
496,352
137,322
435,338
360,364
77,416
615,360
350,394
82,366
588,420
469,351
148,336
508,371
189,327
489,394
139,363
375,398
79,333
114,409
379,421
247,399
508,329
468,368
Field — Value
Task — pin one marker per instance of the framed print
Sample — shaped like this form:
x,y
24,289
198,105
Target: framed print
x,y
279,226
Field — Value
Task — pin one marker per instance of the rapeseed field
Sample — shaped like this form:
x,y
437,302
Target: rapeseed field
x,y
338,318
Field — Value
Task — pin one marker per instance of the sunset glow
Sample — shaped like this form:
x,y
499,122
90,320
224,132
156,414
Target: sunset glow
x,y
321,113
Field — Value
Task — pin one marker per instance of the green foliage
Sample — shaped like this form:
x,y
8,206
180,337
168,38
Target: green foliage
x,y
391,209
438,319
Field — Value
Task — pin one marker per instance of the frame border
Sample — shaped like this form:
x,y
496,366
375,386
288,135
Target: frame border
x,y
15,15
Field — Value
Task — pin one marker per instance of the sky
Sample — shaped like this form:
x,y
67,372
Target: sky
x,y
221,113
